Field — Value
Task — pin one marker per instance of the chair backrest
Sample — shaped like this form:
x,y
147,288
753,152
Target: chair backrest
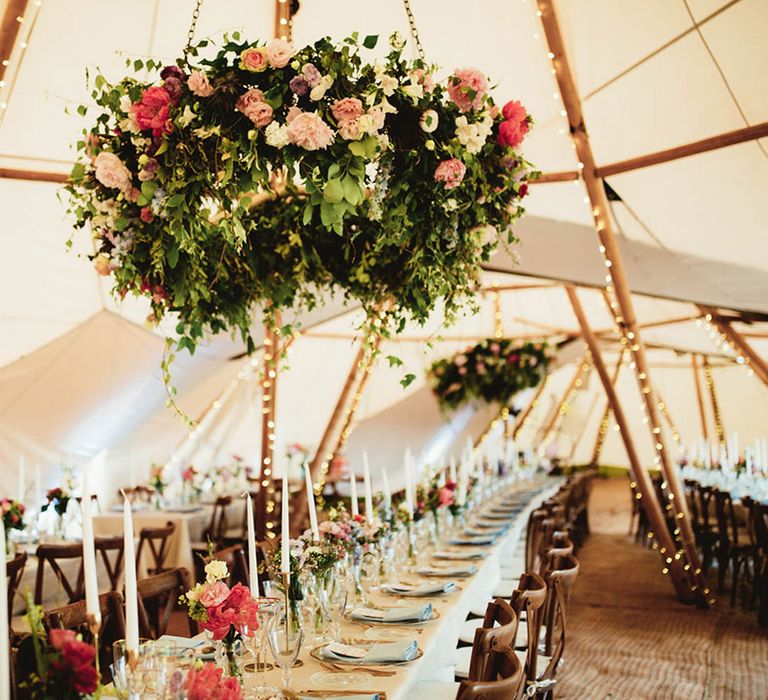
x,y
217,527
14,570
706,505
235,560
111,549
727,524
758,524
534,534
506,681
156,540
530,596
561,582
561,545
490,637
52,554
157,601
73,617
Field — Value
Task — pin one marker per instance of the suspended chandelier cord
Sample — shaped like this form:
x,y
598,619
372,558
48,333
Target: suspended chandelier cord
x,y
192,27
414,31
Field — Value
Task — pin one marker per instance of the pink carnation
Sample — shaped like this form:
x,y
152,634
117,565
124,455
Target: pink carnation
x,y
199,85
347,109
467,87
309,131
451,173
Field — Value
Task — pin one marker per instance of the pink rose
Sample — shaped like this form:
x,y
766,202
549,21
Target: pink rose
x,y
495,348
347,109
199,85
279,52
254,60
511,133
309,131
451,173
252,105
111,171
60,638
423,78
146,215
467,88
151,111
213,594
350,130
462,371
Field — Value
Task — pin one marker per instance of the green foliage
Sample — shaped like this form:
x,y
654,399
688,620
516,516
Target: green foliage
x,y
493,370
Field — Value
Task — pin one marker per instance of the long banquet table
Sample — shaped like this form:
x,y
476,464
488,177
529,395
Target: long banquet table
x,y
439,637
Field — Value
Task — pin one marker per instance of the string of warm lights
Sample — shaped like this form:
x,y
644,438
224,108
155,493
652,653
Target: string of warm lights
x,y
498,321
580,381
720,339
283,20
668,417
531,407
715,404
268,382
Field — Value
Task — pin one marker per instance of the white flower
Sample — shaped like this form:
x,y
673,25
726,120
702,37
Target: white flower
x,y
216,570
473,136
414,91
129,125
187,117
429,121
319,90
383,142
276,135
388,84
126,104
193,593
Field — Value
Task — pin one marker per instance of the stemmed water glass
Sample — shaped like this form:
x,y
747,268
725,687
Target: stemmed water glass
x,y
284,642
334,602
255,640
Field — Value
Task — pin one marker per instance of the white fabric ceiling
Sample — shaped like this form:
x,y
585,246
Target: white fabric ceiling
x,y
78,373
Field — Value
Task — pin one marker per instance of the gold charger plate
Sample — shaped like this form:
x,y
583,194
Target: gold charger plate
x,y
315,654
407,623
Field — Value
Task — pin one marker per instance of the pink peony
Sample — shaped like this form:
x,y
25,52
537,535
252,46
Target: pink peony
x,y
450,172
511,134
350,130
279,52
467,88
199,85
445,496
213,594
151,111
254,60
514,111
111,171
347,109
237,610
209,683
309,131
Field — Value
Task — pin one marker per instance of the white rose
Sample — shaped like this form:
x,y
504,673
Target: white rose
x,y
216,570
414,91
276,135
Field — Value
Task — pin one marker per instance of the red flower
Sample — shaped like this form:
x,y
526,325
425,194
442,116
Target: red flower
x,y
147,215
238,610
76,667
208,684
152,110
523,189
512,359
59,638
512,133
514,111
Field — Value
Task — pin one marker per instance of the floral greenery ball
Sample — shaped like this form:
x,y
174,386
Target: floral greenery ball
x,y
267,176
493,370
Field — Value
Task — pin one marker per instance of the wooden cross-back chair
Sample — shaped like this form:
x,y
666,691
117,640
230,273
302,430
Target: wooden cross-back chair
x,y
733,546
528,599
758,531
155,539
110,550
74,617
236,563
506,682
14,571
218,525
710,537
497,632
52,555
158,596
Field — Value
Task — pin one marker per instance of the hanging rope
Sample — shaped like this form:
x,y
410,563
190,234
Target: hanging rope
x,y
192,27
414,31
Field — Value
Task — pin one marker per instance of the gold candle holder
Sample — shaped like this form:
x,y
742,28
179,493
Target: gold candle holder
x,y
93,620
286,589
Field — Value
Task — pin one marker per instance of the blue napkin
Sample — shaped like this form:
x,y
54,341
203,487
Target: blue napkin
x,y
415,613
419,591
460,571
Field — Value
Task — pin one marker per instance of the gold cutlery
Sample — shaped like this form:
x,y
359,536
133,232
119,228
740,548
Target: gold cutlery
x,y
329,666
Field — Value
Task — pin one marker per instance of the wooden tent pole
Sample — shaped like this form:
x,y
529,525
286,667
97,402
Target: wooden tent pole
x,y
265,500
9,31
523,417
617,276
562,406
700,397
737,342
602,431
640,476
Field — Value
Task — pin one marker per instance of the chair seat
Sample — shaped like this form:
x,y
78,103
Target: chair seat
x,y
505,588
541,661
521,640
467,633
463,658
433,690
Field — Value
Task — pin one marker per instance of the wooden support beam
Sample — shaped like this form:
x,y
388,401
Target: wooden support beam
x,y
737,342
640,476
719,430
602,431
564,176
700,397
618,279
525,414
570,391
730,138
655,324
9,31
33,175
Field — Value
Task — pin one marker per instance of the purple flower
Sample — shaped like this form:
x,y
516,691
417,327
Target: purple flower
x,y
310,72
172,72
172,86
299,85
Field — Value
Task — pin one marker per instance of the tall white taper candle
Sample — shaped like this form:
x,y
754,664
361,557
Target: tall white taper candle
x,y
311,503
353,493
131,592
285,558
253,562
368,490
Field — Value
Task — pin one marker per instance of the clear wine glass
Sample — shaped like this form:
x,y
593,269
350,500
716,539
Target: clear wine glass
x,y
285,644
334,601
255,639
